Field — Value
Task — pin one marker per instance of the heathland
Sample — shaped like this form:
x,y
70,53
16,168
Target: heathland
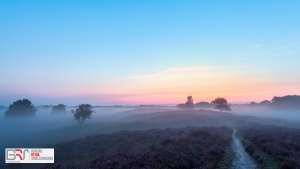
x,y
159,137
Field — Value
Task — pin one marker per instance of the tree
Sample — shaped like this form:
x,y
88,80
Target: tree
x,y
83,112
59,109
221,104
189,103
21,108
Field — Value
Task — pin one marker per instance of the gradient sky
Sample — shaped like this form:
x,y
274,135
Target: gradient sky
x,y
148,52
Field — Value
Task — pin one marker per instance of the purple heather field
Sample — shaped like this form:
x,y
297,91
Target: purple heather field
x,y
156,138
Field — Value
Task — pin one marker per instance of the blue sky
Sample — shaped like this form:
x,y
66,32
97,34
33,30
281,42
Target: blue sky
x,y
71,51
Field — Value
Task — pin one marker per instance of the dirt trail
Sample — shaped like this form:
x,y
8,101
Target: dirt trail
x,y
242,159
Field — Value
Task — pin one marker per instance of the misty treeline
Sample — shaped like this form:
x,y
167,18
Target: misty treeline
x,y
219,103
59,109
291,102
284,102
24,108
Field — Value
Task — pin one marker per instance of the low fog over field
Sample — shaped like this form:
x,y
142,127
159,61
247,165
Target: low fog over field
x,y
48,129
46,121
293,115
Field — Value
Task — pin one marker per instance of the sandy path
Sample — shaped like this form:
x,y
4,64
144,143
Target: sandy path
x,y
242,159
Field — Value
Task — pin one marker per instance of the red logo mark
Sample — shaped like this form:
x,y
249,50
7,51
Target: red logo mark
x,y
19,154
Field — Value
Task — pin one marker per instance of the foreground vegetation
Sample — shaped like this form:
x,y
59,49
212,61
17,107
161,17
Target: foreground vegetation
x,y
283,143
146,137
191,147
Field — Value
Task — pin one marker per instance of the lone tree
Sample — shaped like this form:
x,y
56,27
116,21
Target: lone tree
x,y
59,109
83,112
221,104
189,103
21,108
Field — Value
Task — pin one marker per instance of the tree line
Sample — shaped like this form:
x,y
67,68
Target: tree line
x,y
22,108
220,104
284,102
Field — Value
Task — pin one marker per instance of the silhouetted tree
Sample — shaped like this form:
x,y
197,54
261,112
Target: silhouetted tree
x,y
83,112
221,104
188,104
21,108
59,109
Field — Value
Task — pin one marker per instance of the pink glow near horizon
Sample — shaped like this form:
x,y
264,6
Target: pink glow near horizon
x,y
172,86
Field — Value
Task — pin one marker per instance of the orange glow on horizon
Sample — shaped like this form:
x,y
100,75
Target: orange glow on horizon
x,y
174,86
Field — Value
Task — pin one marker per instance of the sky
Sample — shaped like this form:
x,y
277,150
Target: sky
x,y
148,52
